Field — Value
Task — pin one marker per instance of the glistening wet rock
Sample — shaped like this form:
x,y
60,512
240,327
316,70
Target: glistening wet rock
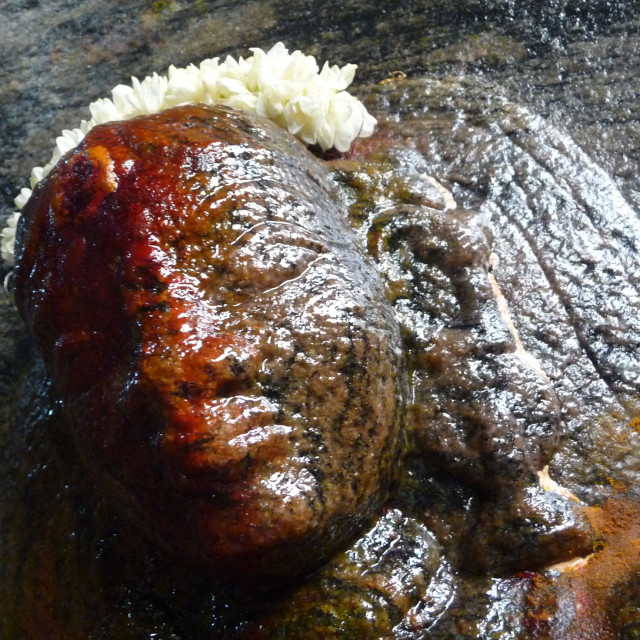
x,y
72,569
225,354
567,259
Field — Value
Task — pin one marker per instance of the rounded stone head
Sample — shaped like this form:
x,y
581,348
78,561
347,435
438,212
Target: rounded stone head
x,y
231,370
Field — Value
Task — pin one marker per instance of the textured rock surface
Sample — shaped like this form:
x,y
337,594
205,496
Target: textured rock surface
x,y
223,350
528,112
566,239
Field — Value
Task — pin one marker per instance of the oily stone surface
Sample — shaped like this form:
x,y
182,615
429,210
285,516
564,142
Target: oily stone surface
x,y
244,383
566,242
507,100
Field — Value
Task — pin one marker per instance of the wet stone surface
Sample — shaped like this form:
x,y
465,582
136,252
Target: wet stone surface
x,y
527,112
222,348
567,249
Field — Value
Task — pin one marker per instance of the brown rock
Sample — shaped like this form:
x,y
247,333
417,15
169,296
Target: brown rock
x,y
224,350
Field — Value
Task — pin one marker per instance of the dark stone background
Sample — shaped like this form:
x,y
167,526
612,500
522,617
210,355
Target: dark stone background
x,y
574,59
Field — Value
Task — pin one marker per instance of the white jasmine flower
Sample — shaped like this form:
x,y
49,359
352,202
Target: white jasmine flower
x,y
37,173
348,116
141,97
22,198
227,86
285,87
237,69
209,72
123,100
69,139
335,77
8,238
55,156
104,110
244,101
185,86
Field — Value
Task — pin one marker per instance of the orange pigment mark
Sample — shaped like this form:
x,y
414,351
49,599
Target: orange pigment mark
x,y
617,485
106,177
617,525
616,559
574,604
393,77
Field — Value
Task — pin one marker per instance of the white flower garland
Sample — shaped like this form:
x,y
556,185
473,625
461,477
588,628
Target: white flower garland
x,y
286,87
